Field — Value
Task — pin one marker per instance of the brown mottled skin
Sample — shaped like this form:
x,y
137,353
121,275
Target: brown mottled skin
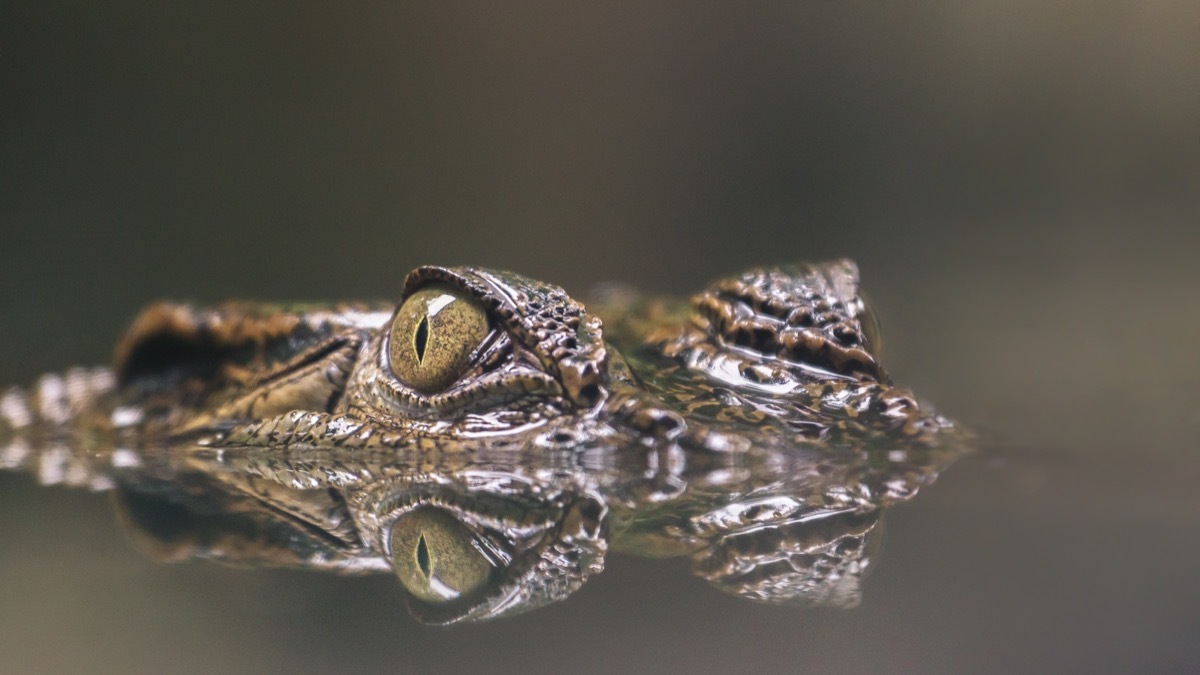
x,y
753,430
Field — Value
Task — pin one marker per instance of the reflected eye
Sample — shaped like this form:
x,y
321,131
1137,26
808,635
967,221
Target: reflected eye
x,y
433,336
435,556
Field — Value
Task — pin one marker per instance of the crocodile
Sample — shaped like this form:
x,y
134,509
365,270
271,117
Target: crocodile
x,y
488,439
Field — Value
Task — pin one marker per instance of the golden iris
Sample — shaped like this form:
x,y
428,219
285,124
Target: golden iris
x,y
435,556
433,337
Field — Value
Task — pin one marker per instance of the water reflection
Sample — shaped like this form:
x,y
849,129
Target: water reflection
x,y
480,535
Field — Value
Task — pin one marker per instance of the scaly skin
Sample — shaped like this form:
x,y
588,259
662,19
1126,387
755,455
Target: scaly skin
x,y
754,431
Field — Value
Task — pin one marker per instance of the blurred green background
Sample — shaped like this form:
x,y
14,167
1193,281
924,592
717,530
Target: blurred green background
x,y
1019,182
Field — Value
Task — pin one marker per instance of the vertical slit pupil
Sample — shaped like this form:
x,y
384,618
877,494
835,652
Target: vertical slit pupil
x,y
423,556
421,339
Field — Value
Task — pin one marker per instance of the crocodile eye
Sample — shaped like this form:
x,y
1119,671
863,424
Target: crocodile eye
x,y
433,336
436,557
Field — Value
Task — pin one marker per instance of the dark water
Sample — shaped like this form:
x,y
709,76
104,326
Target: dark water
x,y
1018,182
